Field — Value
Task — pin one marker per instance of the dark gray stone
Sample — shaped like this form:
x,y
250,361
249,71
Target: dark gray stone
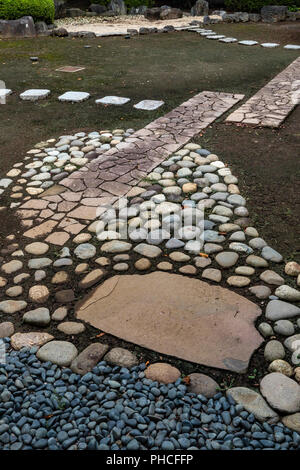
x,y
273,13
21,28
201,8
152,14
41,28
60,8
97,8
118,7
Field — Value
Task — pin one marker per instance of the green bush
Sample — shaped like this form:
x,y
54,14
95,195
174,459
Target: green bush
x,y
254,6
40,10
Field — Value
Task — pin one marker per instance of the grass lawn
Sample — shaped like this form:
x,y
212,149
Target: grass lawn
x,y
172,67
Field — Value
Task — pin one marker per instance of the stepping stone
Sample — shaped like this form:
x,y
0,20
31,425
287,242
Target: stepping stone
x,y
218,323
34,95
74,96
215,36
270,45
116,100
70,69
292,47
248,43
149,105
228,40
4,92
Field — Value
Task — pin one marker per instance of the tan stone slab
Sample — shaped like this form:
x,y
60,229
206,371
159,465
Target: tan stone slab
x,y
178,316
41,230
84,212
58,238
256,111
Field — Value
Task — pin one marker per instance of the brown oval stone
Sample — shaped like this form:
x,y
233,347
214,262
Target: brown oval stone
x,y
6,329
238,281
91,278
60,277
38,294
281,366
3,281
292,268
71,328
121,357
142,264
28,340
88,358
202,385
162,372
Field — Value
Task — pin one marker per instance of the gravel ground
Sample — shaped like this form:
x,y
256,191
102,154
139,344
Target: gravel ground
x,y
101,25
111,408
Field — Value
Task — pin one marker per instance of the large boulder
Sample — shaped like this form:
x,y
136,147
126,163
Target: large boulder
x,y
41,28
95,8
200,8
170,13
74,12
21,28
152,14
118,7
60,8
273,13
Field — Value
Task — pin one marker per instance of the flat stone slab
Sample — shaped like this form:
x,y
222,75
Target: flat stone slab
x,y
215,36
292,47
70,69
149,105
74,96
34,95
248,43
4,92
228,40
178,316
116,100
270,45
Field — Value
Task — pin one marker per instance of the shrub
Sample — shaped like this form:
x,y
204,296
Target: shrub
x,y
40,10
254,6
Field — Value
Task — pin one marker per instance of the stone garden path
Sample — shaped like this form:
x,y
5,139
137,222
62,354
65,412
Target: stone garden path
x,y
60,212
166,286
118,170
274,102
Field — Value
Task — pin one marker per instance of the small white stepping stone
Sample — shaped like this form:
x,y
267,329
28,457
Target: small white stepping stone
x,y
74,96
4,92
208,33
34,95
215,36
248,43
270,45
117,100
228,40
292,46
149,105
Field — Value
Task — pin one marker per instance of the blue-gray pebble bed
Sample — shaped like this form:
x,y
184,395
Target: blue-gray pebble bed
x,y
43,406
